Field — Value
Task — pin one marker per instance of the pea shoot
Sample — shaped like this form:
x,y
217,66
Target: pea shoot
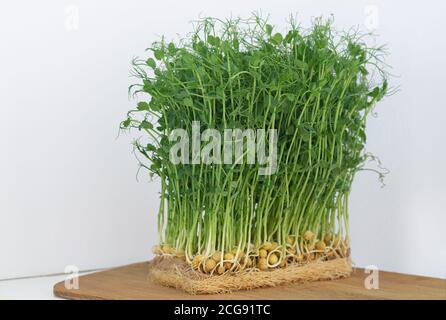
x,y
315,86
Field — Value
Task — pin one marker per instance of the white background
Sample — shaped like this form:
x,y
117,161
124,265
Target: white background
x,y
68,193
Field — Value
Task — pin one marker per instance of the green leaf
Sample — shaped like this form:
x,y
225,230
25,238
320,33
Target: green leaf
x,y
159,54
300,64
289,36
147,85
290,130
150,147
188,58
363,71
146,125
188,102
277,38
151,63
374,93
268,29
171,48
214,41
362,135
306,136
143,106
126,123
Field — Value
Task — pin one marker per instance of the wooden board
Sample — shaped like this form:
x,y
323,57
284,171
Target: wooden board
x,y
131,282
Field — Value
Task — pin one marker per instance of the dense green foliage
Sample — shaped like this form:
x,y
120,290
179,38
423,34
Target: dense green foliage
x,y
315,86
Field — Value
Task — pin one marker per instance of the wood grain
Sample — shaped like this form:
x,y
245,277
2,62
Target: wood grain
x,y
131,282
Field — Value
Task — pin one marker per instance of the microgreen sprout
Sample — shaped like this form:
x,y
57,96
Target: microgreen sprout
x,y
315,86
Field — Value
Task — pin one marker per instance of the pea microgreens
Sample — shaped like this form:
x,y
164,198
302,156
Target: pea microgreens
x,y
316,87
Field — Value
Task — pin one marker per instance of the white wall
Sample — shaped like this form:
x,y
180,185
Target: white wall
x,y
68,193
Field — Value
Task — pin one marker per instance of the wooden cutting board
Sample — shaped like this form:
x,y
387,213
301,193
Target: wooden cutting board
x,y
131,282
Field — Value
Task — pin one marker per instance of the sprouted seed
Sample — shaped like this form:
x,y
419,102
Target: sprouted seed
x,y
308,235
263,264
221,269
320,245
210,265
273,259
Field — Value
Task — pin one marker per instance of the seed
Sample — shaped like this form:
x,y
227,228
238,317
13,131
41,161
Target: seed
x,y
217,256
237,254
196,261
320,245
308,235
267,246
262,264
221,269
166,248
273,259
263,253
228,256
300,257
210,265
248,262
283,263
227,265
274,245
291,251
290,240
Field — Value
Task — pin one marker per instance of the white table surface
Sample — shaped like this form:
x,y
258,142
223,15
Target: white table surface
x,y
37,288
